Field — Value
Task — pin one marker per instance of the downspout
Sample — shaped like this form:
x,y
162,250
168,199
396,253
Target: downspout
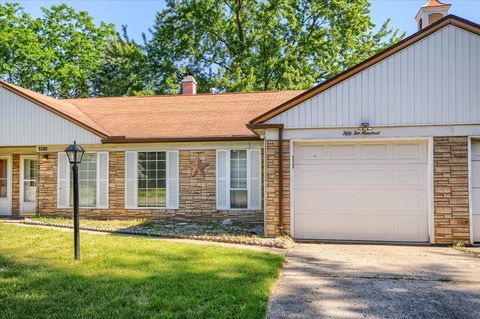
x,y
280,180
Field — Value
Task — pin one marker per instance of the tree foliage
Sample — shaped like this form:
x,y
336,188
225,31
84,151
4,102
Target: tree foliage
x,y
233,45
245,45
57,54
124,69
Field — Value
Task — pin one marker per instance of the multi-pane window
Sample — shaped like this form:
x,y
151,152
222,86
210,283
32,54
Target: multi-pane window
x,y
152,175
87,181
238,179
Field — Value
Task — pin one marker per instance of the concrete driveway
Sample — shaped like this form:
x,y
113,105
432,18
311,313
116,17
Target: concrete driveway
x,y
377,281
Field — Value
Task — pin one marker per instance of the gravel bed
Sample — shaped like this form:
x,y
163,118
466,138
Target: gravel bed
x,y
227,232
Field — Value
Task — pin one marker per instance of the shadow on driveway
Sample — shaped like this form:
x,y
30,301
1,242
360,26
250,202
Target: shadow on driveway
x,y
377,281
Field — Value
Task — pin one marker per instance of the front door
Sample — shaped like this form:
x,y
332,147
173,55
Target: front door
x,y
5,186
28,192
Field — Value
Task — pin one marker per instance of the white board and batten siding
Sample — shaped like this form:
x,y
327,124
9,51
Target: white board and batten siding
x,y
435,81
24,123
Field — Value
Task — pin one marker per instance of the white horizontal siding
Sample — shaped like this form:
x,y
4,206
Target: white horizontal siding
x,y
23,123
432,82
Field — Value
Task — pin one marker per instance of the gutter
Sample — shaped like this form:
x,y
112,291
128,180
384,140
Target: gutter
x,y
124,139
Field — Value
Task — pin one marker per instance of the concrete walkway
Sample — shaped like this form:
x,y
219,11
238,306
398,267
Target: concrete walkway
x,y
377,281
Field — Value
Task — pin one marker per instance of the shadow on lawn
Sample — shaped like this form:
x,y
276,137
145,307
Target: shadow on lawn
x,y
139,283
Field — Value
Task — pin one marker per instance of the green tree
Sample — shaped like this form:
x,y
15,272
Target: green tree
x,y
21,51
245,45
124,69
57,54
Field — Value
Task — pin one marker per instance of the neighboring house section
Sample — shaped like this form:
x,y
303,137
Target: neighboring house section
x,y
383,150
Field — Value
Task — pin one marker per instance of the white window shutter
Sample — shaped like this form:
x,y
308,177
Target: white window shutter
x,y
172,180
102,171
255,180
63,182
223,183
131,171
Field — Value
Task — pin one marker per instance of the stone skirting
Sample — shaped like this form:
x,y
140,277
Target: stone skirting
x,y
197,194
451,190
272,215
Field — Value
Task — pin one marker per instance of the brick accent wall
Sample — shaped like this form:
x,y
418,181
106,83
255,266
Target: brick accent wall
x,y
451,190
197,194
272,215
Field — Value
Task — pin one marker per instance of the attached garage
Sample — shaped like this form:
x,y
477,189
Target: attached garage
x,y
381,151
360,191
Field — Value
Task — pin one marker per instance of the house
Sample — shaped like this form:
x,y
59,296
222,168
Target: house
x,y
385,151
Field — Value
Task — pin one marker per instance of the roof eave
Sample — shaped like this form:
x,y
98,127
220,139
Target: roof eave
x,y
8,87
126,140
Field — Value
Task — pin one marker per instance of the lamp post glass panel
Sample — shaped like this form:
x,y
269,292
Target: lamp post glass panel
x,y
75,153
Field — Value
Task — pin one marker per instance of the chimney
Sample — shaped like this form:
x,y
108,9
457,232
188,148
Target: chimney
x,y
189,85
431,12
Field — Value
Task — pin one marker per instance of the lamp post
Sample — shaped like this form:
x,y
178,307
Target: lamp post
x,y
75,154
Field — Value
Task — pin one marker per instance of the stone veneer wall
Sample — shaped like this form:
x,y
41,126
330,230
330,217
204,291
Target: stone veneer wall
x,y
272,215
451,190
16,185
197,194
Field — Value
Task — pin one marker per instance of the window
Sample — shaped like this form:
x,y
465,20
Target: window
x,y
93,181
87,181
152,179
238,179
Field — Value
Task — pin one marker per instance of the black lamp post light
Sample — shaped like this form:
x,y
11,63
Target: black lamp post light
x,y
75,154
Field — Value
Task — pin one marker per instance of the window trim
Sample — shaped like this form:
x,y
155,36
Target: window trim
x,y
229,169
97,180
167,179
249,191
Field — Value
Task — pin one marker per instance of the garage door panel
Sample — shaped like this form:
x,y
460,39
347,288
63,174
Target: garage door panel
x,y
343,152
369,228
411,151
375,151
409,176
367,191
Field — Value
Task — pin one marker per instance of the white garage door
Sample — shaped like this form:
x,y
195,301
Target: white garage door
x,y
362,191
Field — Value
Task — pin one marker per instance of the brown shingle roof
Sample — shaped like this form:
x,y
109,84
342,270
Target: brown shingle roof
x,y
162,118
201,116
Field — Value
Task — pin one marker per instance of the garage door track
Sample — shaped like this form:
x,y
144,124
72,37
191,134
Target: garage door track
x,y
377,281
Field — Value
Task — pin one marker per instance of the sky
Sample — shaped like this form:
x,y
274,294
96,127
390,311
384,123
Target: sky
x,y
139,15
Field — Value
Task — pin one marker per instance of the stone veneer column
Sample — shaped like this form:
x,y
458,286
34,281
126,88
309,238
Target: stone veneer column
x,y
16,185
451,190
272,215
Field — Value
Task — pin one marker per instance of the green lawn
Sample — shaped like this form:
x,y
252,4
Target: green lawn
x,y
123,277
